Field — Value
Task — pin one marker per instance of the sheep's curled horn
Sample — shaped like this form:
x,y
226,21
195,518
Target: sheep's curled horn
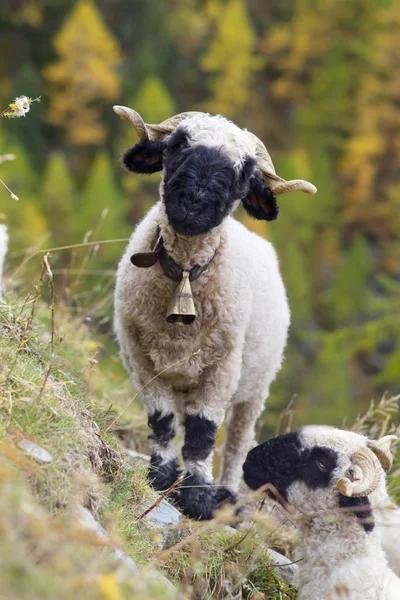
x,y
154,132
365,471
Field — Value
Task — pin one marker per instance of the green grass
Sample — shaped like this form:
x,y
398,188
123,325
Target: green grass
x,y
76,402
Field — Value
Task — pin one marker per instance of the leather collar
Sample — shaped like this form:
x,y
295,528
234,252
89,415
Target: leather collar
x,y
171,269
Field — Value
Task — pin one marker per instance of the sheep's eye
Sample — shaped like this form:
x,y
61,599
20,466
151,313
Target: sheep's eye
x,y
322,465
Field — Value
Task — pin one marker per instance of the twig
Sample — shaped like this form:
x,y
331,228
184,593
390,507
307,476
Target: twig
x,y
162,496
45,380
51,285
236,544
81,245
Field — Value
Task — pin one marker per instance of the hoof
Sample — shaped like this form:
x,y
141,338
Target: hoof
x,y
225,496
200,499
162,476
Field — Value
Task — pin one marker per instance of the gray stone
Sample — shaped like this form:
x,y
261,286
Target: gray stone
x,y
87,520
284,566
137,456
162,516
39,454
126,565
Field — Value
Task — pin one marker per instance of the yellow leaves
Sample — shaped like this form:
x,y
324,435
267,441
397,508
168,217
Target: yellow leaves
x,y
31,12
187,25
231,57
85,76
369,167
109,588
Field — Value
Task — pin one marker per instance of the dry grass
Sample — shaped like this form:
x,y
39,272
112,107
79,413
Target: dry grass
x,y
62,388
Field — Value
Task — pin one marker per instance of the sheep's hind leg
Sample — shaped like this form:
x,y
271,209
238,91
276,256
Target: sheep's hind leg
x,y
163,471
240,435
198,495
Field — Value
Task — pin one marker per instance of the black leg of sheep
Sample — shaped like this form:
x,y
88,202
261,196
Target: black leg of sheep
x,y
163,470
199,498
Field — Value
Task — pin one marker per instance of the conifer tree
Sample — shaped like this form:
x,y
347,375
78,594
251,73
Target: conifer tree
x,y
370,172
85,76
153,100
101,209
231,60
58,200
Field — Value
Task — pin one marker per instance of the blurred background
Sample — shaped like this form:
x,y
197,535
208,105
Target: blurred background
x,y
317,80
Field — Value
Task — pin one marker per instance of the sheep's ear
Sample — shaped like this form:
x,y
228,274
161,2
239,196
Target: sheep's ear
x,y
260,202
144,157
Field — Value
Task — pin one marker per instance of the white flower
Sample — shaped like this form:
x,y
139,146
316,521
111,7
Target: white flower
x,y
22,106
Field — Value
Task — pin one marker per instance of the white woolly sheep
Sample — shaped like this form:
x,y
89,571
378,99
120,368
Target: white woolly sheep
x,y
3,252
335,479
235,317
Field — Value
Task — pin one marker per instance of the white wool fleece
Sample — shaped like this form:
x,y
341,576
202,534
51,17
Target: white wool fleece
x,y
217,131
235,344
336,552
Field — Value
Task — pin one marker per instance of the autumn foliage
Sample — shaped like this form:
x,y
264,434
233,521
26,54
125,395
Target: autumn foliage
x,y
317,80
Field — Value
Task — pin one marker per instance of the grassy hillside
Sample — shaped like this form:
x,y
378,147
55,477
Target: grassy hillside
x,y
54,393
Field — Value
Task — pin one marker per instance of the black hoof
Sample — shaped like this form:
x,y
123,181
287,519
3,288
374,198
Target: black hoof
x,y
225,496
199,499
162,476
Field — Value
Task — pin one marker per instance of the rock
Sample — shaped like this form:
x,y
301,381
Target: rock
x,y
87,520
35,451
126,565
160,517
137,456
286,569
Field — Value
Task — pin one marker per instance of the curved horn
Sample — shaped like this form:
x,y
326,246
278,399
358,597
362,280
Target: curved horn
x,y
296,185
383,451
130,115
277,184
169,125
364,475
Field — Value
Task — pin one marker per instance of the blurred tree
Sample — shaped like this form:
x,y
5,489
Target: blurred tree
x,y
348,296
370,171
58,198
312,53
24,218
85,76
101,210
153,100
231,58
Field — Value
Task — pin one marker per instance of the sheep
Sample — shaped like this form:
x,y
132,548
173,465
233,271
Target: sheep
x,y
3,252
335,478
230,301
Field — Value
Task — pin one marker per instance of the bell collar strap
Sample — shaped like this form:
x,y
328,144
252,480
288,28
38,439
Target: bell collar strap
x,y
181,310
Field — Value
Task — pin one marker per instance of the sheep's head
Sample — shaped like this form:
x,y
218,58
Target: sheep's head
x,y
320,468
209,165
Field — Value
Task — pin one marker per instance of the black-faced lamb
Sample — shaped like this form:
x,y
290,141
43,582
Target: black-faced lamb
x,y
336,480
195,266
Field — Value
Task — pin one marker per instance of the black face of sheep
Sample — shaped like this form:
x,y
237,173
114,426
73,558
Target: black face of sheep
x,y
202,182
321,468
283,460
201,185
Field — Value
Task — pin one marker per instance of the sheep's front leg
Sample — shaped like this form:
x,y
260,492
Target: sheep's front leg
x,y
163,470
199,497
159,404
